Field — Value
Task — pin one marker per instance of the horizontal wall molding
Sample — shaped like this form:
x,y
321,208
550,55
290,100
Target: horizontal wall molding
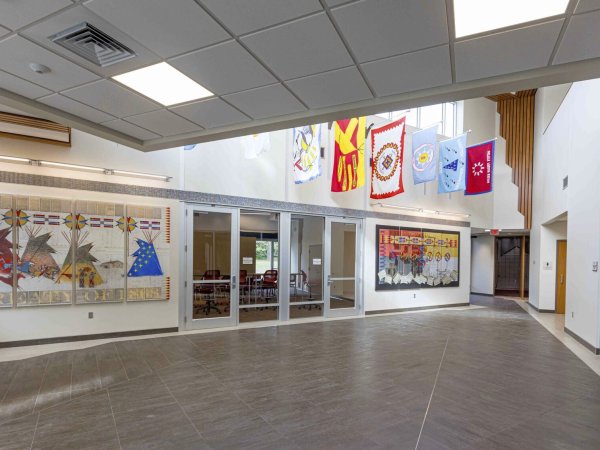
x,y
211,199
482,294
418,308
583,342
541,310
87,337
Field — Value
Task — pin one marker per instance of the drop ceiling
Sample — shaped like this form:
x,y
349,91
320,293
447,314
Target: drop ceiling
x,y
276,63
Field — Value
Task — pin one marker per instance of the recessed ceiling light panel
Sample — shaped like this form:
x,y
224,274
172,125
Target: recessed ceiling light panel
x,y
479,16
164,84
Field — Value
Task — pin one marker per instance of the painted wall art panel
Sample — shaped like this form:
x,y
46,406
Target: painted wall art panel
x,y
148,245
99,269
412,258
6,251
44,230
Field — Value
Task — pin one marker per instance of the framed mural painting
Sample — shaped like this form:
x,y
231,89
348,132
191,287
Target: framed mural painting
x,y
413,258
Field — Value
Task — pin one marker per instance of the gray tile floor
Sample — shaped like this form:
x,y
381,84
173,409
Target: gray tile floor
x,y
489,378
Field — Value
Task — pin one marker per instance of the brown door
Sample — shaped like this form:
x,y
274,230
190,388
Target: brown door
x,y
561,276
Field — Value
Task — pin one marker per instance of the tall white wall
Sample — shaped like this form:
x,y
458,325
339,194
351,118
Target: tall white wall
x,y
221,168
569,146
482,264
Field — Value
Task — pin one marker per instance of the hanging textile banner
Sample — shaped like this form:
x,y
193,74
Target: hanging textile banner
x,y
255,144
452,164
480,168
349,158
424,157
307,153
388,154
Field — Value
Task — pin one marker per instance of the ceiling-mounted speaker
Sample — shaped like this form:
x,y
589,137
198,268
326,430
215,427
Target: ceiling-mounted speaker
x,y
90,43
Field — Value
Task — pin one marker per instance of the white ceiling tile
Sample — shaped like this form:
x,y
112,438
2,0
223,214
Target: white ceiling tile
x,y
41,31
20,86
16,53
77,109
224,68
380,28
331,88
587,5
130,129
244,16
111,98
506,52
16,14
167,28
410,72
163,122
581,40
268,101
211,113
303,47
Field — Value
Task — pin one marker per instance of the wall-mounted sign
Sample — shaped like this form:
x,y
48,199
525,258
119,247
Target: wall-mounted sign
x,y
316,261
247,260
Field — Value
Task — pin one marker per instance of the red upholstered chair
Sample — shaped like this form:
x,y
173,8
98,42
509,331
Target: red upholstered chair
x,y
269,283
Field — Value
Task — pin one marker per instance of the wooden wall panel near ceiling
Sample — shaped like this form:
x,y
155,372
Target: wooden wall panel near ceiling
x,y
516,127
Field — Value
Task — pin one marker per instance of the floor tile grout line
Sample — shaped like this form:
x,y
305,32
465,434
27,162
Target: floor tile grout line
x,y
37,421
112,412
432,391
181,408
41,384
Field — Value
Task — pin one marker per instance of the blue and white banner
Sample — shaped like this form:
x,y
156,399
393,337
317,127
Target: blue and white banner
x,y
424,156
452,164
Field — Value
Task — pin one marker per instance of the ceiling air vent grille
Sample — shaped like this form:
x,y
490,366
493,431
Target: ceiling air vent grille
x,y
92,44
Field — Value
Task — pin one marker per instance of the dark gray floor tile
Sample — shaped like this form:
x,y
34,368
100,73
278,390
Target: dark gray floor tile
x,y
141,393
18,434
161,428
86,422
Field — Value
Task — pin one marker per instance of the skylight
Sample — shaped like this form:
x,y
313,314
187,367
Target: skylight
x,y
478,16
164,84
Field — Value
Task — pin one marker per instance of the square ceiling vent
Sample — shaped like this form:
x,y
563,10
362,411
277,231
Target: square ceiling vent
x,y
92,44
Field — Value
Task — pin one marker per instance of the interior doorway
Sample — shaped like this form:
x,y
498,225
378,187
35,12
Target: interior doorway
x,y
512,266
561,276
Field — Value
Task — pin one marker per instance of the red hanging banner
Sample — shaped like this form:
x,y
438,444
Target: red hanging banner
x,y
480,168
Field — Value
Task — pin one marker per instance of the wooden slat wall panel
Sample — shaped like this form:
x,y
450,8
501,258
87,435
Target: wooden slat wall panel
x,y
516,127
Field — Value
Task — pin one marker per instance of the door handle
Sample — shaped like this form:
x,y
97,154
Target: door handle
x,y
562,278
329,280
233,282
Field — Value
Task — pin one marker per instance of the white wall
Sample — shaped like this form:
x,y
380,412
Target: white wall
x,y
573,135
482,264
544,269
413,298
221,168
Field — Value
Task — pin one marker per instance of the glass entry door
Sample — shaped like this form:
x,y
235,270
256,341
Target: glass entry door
x,y
342,266
212,248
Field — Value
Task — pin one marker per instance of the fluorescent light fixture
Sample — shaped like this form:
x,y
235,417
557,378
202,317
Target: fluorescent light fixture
x,y
429,211
14,159
140,174
163,83
70,166
478,16
405,208
37,162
